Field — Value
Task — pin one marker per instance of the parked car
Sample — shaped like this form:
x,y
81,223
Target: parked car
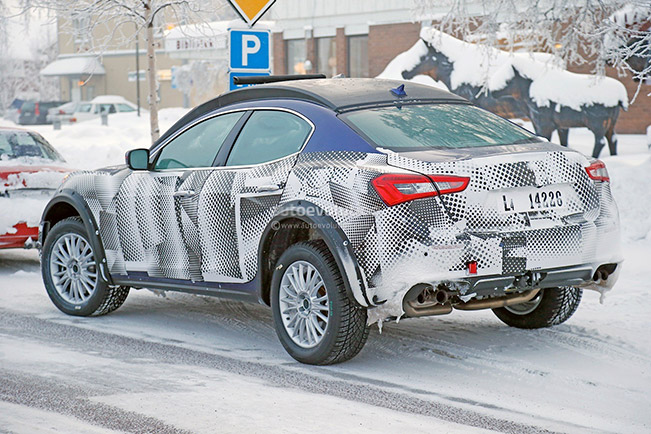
x,y
108,103
13,111
35,112
339,203
64,112
30,172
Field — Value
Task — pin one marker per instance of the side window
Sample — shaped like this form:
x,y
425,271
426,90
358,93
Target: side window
x,y
268,135
198,146
125,108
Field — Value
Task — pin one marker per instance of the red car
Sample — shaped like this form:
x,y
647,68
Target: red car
x,y
30,172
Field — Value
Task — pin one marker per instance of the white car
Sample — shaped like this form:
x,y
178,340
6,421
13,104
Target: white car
x,y
65,112
106,103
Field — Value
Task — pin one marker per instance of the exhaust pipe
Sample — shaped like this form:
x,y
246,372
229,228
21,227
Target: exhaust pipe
x,y
423,300
492,303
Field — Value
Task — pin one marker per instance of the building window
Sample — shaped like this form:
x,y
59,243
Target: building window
x,y
326,56
80,29
358,56
296,55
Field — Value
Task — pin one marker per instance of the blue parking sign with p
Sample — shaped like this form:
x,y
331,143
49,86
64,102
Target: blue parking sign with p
x,y
250,49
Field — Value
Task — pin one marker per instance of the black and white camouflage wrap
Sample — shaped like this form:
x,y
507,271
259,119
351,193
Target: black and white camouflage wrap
x,y
214,235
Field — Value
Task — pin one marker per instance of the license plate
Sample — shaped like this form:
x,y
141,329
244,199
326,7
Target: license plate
x,y
534,199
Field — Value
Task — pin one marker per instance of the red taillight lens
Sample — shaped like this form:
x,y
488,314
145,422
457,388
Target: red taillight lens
x,y
597,171
37,110
399,188
61,112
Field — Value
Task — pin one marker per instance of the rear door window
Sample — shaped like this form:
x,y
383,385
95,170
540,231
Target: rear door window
x,y
268,135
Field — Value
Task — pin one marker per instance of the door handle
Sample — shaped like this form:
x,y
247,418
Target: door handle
x,y
184,193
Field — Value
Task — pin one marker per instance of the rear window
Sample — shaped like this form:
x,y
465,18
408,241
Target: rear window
x,y
20,144
414,127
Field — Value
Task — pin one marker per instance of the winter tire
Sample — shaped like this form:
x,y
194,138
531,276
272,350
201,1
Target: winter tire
x,y
315,320
552,306
71,274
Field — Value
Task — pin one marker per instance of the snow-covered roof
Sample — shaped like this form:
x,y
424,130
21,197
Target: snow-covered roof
x,y
492,68
74,66
109,99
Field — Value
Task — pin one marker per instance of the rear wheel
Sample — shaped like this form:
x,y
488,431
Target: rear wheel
x,y
71,273
552,306
315,320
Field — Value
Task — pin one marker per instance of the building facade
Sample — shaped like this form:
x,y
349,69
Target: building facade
x,y
89,65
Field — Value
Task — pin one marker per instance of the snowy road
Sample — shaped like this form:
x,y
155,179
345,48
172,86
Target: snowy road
x,y
189,363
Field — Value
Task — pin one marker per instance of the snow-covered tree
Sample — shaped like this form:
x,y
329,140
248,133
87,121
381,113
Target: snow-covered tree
x,y
20,66
112,24
594,32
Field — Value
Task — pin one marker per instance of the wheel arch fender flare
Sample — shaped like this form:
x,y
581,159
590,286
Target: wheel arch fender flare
x,y
75,200
334,237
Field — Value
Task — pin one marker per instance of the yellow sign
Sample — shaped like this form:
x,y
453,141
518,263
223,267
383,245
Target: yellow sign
x,y
251,10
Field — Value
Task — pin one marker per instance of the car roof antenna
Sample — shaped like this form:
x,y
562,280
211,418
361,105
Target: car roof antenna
x,y
399,91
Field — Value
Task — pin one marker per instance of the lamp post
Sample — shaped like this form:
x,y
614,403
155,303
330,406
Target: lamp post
x,y
137,72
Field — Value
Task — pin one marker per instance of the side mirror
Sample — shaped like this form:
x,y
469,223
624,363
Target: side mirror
x,y
137,159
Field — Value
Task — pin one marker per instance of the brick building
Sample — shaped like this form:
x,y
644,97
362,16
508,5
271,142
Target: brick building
x,y
359,38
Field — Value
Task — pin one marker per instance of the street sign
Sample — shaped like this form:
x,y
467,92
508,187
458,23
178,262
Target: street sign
x,y
251,10
250,53
250,49
232,74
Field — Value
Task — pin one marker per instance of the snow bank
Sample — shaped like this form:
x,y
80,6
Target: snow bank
x,y
481,66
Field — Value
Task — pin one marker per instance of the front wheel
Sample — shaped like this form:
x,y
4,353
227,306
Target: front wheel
x,y
551,306
71,273
315,320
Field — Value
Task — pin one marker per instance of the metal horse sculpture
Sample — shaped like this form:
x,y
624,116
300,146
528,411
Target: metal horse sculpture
x,y
439,67
514,102
597,118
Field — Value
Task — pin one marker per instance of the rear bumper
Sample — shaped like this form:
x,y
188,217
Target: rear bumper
x,y
596,275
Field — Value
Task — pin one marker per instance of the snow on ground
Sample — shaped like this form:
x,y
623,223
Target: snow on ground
x,y
197,363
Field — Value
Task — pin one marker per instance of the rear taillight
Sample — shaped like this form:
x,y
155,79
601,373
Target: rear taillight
x,y
37,111
399,188
61,112
597,171
73,119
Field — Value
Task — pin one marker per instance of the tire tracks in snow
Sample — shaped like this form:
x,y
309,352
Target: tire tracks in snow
x,y
38,392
